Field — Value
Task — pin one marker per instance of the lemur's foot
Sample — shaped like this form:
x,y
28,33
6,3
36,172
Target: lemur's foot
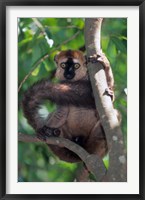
x,y
110,93
103,59
45,131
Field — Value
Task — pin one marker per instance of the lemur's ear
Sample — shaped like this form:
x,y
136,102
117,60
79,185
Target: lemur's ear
x,y
56,57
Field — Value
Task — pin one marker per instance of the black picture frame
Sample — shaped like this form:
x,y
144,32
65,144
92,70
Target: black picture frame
x,y
3,5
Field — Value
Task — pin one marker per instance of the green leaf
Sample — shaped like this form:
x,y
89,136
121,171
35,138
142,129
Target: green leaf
x,y
106,161
36,71
119,44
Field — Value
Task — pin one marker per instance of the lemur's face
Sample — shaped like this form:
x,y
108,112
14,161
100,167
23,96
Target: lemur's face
x,y
71,65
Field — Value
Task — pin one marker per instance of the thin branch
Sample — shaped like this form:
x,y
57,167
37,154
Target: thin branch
x,y
93,163
117,153
65,27
35,65
39,25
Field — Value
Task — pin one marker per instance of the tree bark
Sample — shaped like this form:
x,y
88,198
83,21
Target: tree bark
x,y
117,171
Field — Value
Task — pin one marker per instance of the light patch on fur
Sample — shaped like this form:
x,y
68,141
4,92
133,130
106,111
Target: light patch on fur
x,y
43,112
76,60
62,87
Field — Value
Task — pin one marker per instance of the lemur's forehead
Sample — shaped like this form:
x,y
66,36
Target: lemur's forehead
x,y
75,55
75,60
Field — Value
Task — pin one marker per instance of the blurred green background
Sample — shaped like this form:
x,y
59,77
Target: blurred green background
x,y
39,39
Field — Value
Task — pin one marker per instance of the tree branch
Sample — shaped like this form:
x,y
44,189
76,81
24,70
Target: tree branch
x,y
93,163
117,154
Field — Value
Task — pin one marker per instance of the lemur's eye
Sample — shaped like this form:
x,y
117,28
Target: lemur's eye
x,y
63,65
76,65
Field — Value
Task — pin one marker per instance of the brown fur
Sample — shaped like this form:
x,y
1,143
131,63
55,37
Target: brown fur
x,y
76,116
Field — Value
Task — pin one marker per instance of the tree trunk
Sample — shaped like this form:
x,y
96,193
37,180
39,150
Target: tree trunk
x,y
117,171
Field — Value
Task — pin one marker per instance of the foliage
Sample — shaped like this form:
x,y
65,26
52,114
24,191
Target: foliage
x,y
39,39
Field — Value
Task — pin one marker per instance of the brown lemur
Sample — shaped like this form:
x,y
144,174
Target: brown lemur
x,y
76,117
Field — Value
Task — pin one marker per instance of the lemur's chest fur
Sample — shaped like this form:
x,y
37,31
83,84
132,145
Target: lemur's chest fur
x,y
80,121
